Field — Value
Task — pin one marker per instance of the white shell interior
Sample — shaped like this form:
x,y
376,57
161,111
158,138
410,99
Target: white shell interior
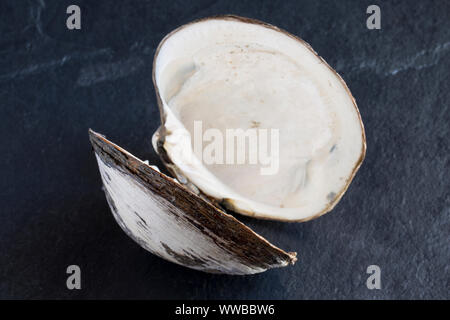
x,y
229,74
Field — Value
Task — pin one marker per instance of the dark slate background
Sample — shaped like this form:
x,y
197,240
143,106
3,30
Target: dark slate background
x,y
56,83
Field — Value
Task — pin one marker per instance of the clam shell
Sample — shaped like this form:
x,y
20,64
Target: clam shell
x,y
159,136
172,222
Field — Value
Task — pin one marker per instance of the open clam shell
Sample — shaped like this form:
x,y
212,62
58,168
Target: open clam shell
x,y
234,72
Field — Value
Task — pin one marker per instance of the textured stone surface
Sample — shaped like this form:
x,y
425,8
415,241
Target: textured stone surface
x,y
56,83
